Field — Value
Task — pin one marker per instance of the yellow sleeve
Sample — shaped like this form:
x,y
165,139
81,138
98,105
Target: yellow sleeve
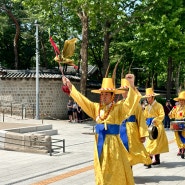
x,y
131,102
172,113
88,106
175,113
160,114
156,112
141,121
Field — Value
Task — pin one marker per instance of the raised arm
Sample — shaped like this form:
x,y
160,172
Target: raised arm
x,y
88,106
133,98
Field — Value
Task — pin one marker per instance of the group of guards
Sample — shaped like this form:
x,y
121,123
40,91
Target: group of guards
x,y
122,128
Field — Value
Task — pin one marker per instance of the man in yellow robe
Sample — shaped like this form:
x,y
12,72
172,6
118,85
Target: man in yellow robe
x,y
178,113
134,131
154,114
110,156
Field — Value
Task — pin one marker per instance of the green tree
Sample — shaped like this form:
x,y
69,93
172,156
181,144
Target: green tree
x,y
159,37
7,7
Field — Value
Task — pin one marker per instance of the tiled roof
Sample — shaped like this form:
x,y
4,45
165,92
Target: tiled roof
x,y
91,69
27,75
45,74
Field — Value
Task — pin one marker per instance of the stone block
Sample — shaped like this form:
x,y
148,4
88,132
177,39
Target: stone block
x,y
37,143
14,141
2,138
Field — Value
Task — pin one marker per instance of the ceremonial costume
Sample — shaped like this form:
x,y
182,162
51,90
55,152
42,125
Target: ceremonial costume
x,y
132,130
155,113
110,156
178,113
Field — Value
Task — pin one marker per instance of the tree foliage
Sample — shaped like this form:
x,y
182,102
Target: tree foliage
x,y
148,36
159,37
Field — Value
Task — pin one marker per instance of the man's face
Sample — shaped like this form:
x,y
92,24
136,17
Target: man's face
x,y
182,102
167,103
124,94
150,100
106,97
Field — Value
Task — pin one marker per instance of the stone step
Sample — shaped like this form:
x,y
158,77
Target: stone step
x,y
50,132
44,129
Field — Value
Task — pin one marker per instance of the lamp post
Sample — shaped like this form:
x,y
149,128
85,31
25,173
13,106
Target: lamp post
x,y
37,70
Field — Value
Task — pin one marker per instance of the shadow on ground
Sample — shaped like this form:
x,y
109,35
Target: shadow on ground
x,y
157,179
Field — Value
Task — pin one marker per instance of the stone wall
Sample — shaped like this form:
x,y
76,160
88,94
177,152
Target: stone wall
x,y
18,97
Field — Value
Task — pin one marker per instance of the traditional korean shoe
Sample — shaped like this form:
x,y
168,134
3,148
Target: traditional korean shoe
x,y
179,152
157,159
182,153
156,163
148,165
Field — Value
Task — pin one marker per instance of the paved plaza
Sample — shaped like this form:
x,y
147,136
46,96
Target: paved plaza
x,y
75,166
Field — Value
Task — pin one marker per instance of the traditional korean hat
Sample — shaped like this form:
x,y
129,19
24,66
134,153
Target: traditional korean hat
x,y
108,84
124,84
181,96
149,93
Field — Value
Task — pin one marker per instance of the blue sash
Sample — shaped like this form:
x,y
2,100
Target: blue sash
x,y
181,137
100,130
123,130
149,121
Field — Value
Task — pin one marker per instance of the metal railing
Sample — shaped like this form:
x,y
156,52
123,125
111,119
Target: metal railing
x,y
50,147
57,148
16,108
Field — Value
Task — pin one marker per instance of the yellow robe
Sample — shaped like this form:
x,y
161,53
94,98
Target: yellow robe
x,y
159,145
113,166
175,113
136,130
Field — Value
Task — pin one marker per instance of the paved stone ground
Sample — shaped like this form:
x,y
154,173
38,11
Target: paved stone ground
x,y
75,166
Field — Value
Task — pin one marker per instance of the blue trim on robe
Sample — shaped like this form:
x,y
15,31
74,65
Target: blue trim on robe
x,y
149,121
182,138
112,129
123,131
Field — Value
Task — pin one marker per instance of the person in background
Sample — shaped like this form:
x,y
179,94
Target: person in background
x,y
79,114
70,110
111,163
75,117
134,131
167,108
178,113
154,114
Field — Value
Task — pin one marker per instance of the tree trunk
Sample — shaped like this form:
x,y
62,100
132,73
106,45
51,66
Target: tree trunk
x,y
84,54
106,49
16,37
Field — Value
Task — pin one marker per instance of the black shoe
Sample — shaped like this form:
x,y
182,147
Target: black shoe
x,y
179,152
148,165
156,163
182,153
